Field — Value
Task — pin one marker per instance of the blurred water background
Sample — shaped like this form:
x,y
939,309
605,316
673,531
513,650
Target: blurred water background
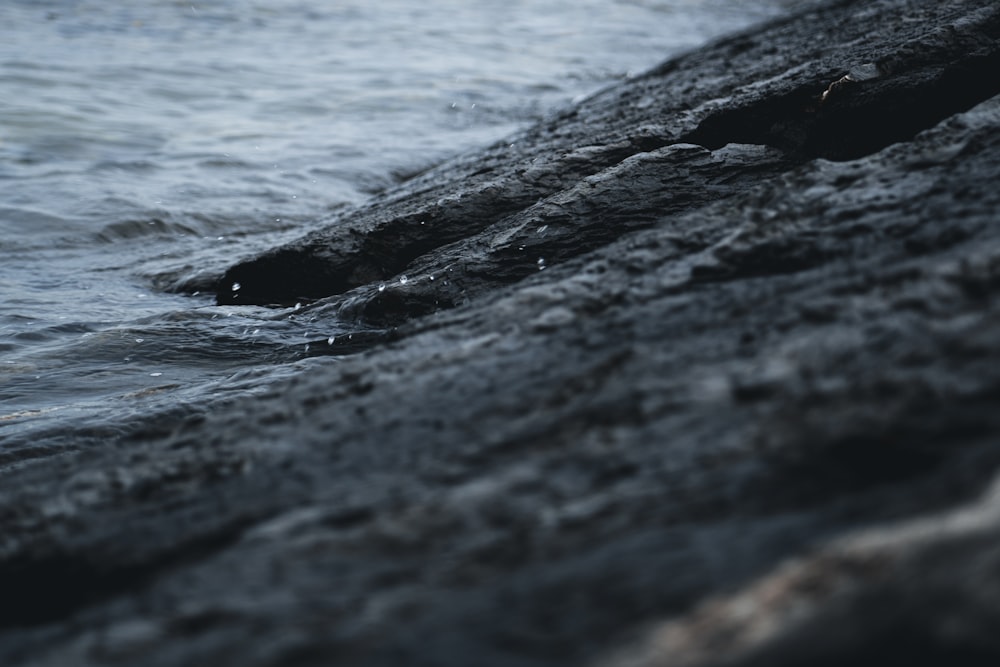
x,y
144,137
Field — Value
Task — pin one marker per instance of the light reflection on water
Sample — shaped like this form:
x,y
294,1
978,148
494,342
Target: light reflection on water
x,y
144,137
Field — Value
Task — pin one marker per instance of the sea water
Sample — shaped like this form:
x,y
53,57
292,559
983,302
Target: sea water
x,y
144,138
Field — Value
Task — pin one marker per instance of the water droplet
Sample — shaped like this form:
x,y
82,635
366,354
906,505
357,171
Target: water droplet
x,y
155,375
139,340
403,280
307,347
381,287
236,287
331,340
297,306
541,263
255,332
432,278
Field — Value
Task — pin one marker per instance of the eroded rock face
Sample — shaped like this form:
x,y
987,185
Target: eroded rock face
x,y
830,91
727,421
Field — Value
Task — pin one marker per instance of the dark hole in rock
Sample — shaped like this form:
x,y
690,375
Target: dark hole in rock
x,y
857,118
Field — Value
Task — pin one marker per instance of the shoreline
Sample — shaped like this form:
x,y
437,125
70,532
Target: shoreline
x,y
723,337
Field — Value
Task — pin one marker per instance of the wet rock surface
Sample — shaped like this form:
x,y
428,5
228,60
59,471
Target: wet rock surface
x,y
703,371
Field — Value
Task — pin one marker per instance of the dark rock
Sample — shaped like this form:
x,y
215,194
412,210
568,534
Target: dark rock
x,y
727,421
766,88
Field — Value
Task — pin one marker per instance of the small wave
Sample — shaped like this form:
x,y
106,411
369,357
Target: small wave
x,y
125,165
224,162
45,334
135,229
17,221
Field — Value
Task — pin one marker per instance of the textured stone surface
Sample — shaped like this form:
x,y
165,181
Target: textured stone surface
x,y
744,413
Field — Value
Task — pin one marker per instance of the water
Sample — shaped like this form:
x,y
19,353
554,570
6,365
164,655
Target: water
x,y
140,138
